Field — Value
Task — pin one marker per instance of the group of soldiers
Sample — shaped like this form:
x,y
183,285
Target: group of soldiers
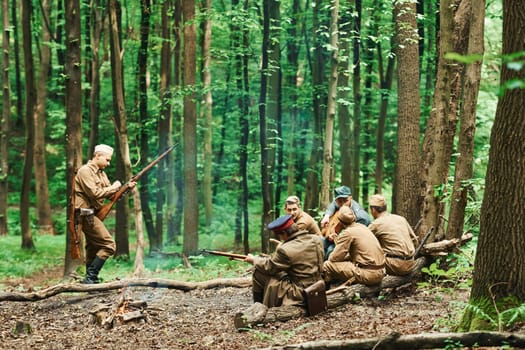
x,y
347,247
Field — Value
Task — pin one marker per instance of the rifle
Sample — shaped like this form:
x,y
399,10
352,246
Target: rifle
x,y
422,243
124,189
71,224
232,256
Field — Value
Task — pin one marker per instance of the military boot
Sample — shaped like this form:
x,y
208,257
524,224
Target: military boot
x,y
92,271
258,297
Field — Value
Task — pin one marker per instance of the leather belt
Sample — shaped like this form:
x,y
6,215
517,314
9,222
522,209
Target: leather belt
x,y
406,258
370,267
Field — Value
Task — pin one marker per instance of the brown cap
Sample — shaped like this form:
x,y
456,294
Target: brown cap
x,y
377,200
346,215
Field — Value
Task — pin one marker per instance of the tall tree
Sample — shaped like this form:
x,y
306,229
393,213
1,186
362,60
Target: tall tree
x,y
331,106
73,94
96,19
45,218
146,132
356,91
464,163
30,98
19,122
4,121
268,99
120,122
499,281
191,207
317,63
441,127
206,110
407,177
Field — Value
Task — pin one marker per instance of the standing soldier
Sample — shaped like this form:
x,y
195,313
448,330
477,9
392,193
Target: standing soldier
x,y
395,236
92,186
296,264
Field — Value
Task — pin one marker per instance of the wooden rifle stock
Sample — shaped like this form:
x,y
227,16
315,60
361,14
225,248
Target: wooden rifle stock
x,y
105,209
232,256
75,241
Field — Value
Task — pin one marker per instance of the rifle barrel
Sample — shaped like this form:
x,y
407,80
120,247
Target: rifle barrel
x,y
229,255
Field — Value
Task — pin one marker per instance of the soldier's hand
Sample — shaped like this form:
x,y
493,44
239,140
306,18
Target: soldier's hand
x,y
132,184
117,184
249,259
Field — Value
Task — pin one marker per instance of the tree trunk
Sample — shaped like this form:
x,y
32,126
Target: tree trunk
x,y
270,86
464,163
206,111
6,115
343,109
121,130
356,90
30,97
499,267
311,200
407,177
331,107
45,217
191,207
145,133
73,96
138,267
441,128
19,122
96,19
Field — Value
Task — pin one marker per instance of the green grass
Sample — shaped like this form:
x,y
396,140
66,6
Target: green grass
x,y
49,251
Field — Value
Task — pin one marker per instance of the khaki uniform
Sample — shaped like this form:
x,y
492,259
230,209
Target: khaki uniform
x,y
92,187
305,222
297,263
357,257
398,241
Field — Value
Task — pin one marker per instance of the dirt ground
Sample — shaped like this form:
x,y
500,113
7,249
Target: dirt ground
x,y
203,319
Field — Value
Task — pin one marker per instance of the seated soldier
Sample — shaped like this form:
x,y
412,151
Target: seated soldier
x,y
329,223
296,264
292,206
357,256
395,236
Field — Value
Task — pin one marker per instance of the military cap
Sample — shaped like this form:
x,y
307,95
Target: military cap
x,y
346,215
377,200
342,192
281,223
104,149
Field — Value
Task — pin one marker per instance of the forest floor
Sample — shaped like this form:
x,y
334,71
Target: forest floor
x,y
203,319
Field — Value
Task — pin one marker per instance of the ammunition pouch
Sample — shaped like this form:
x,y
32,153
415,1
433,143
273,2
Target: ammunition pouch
x,y
88,214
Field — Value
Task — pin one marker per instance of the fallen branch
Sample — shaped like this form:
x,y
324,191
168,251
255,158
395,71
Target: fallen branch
x,y
417,341
445,246
146,282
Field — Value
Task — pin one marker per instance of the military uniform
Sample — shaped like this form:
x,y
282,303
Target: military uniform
x,y
397,240
297,263
92,187
305,222
357,257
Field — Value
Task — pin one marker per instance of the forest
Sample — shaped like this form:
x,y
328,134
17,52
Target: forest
x,y
418,101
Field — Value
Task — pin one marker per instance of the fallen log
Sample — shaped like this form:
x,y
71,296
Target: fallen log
x,y
446,245
139,282
417,341
257,315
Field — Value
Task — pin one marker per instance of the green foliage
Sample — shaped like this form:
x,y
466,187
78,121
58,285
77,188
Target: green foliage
x,y
452,272
500,315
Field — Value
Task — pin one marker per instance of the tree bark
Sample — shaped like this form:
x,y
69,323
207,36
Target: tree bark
x,y
30,98
499,267
416,341
6,115
464,163
73,96
206,111
407,177
45,217
331,107
97,19
121,129
356,90
191,207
